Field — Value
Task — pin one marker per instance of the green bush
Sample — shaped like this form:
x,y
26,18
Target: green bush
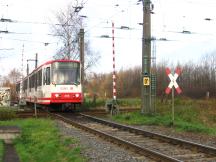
x,y
129,102
126,102
90,104
7,114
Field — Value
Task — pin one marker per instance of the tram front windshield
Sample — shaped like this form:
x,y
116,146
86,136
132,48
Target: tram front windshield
x,y
66,73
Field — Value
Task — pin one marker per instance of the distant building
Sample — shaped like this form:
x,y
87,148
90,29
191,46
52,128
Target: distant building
x,y
5,96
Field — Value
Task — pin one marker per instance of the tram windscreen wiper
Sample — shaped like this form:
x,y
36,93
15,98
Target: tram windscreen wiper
x,y
75,83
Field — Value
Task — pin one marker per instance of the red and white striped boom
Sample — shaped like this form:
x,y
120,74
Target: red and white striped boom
x,y
114,73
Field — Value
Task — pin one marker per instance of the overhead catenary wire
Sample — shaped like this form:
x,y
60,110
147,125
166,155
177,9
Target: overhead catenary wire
x,y
6,49
119,7
17,21
45,23
108,19
164,25
21,33
6,20
103,21
164,39
30,41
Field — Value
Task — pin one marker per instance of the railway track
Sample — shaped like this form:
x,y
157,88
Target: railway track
x,y
105,112
30,114
152,145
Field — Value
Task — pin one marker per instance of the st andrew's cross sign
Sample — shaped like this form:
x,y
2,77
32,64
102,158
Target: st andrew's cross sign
x,y
173,82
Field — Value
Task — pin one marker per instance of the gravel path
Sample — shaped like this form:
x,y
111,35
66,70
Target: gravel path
x,y
97,150
10,154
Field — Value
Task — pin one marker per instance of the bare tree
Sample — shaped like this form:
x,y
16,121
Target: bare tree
x,y
67,30
10,81
14,76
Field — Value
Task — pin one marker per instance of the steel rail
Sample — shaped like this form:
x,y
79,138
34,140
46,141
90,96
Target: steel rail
x,y
29,114
144,151
104,111
203,148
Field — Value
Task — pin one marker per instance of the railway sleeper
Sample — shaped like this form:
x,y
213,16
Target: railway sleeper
x,y
210,159
183,143
190,156
144,150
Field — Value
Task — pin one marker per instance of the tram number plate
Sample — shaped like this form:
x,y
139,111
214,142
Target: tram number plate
x,y
67,96
146,81
64,88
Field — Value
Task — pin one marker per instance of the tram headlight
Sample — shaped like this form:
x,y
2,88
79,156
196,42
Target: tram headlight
x,y
57,95
77,95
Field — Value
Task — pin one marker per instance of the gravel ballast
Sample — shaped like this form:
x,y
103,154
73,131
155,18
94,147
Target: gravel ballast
x,y
189,136
201,138
98,150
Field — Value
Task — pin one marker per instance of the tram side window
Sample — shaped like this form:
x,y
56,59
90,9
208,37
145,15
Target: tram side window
x,y
18,87
35,81
46,76
23,88
25,84
31,84
39,78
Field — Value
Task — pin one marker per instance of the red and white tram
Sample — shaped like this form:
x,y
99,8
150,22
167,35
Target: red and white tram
x,y
55,82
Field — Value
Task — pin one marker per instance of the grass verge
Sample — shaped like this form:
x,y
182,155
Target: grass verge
x,y
1,150
41,142
180,124
190,115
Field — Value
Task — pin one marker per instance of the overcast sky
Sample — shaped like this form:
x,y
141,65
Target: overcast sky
x,y
171,17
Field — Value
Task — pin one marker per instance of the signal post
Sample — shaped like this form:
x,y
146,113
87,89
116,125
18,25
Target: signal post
x,y
146,59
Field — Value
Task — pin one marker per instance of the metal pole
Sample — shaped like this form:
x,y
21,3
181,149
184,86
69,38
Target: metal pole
x,y
173,108
36,60
146,57
27,71
21,83
82,54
